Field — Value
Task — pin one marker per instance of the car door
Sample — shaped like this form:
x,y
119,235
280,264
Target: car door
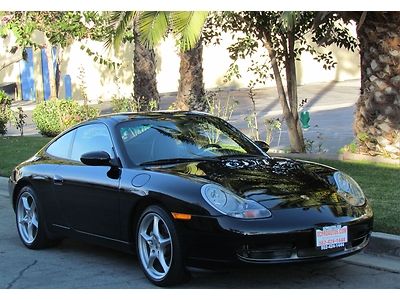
x,y
89,194
56,154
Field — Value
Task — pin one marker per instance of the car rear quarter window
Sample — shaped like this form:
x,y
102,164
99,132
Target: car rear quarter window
x,y
93,137
62,146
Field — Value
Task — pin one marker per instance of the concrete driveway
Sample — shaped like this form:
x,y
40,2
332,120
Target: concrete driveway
x,y
78,265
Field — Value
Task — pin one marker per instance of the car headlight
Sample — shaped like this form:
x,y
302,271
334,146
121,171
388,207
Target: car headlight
x,y
232,205
349,189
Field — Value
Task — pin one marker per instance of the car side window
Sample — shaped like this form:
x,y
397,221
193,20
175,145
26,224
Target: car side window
x,y
93,137
62,146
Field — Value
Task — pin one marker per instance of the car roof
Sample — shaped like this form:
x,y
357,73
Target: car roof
x,y
116,118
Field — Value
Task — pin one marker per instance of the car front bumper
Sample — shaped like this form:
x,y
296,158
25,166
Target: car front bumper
x,y
216,240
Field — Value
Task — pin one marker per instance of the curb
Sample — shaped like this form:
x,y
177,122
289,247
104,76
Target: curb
x,y
371,159
382,244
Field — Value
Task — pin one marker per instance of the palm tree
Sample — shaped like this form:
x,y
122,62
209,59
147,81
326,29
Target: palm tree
x,y
150,28
377,116
144,66
191,87
186,27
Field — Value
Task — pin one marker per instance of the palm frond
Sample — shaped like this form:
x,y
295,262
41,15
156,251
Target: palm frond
x,y
153,26
289,20
119,22
187,27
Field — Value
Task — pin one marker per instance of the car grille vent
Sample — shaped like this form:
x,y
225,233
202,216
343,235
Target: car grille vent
x,y
278,251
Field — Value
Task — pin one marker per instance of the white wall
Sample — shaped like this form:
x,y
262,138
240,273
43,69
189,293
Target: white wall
x,y
103,83
216,62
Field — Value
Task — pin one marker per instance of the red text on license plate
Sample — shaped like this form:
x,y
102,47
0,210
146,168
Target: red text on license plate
x,y
330,237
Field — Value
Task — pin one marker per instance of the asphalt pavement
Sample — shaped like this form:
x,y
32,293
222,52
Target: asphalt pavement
x,y
75,264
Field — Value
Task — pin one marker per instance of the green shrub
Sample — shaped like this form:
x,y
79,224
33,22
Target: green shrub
x,y
123,105
54,116
5,111
3,123
132,104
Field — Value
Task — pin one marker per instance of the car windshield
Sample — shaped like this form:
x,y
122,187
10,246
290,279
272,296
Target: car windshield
x,y
168,138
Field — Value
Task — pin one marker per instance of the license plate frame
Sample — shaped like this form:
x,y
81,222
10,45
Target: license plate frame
x,y
331,237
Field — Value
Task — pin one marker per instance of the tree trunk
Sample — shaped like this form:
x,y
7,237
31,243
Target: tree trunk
x,y
52,75
59,58
145,81
291,79
377,117
292,122
10,62
191,87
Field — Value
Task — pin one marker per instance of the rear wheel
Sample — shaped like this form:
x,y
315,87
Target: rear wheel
x,y
158,248
30,220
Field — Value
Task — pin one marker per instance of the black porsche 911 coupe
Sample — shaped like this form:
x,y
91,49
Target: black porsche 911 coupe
x,y
185,189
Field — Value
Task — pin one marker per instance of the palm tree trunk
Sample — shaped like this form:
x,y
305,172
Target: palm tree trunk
x,y
191,87
377,117
145,81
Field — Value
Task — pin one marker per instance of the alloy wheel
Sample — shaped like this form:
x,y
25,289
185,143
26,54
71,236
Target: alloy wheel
x,y
27,217
155,246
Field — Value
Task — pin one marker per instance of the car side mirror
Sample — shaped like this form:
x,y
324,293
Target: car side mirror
x,y
262,145
97,158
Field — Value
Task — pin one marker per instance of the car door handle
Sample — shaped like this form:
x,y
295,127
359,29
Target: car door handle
x,y
40,177
58,180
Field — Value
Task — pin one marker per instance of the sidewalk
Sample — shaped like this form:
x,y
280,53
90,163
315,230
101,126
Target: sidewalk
x,y
331,107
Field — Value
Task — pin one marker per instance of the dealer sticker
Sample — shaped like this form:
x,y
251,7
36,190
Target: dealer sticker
x,y
331,237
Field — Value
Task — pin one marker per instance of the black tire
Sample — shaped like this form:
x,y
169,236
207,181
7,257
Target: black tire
x,y
39,238
171,252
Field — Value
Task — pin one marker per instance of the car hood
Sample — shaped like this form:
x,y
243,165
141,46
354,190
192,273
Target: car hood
x,y
277,182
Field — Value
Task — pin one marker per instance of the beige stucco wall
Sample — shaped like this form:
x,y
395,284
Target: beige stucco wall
x,y
216,62
102,83
347,68
10,73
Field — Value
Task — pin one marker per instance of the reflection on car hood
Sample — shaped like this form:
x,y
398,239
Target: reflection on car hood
x,y
278,181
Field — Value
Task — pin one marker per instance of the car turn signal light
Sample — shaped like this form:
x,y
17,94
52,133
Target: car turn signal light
x,y
179,216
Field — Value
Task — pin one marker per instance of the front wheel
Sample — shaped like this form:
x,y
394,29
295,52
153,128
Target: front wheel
x,y
30,220
158,248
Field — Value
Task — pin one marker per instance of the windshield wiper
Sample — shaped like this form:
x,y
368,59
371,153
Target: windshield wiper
x,y
174,161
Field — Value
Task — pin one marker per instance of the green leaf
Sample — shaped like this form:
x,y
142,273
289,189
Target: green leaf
x,y
153,27
118,24
289,20
187,27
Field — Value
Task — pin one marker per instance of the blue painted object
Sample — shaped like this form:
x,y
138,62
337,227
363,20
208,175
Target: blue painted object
x,y
45,72
27,81
56,69
68,87
45,75
54,56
